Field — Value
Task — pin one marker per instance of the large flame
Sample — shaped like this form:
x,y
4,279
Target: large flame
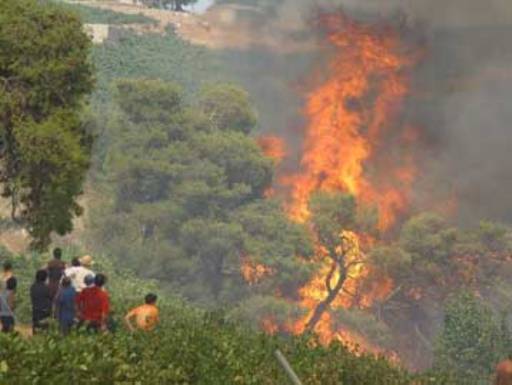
x,y
356,142
352,116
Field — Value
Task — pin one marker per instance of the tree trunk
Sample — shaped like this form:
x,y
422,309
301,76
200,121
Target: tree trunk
x,y
178,5
323,306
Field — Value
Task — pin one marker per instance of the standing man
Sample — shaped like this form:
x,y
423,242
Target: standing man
x,y
55,270
65,306
78,271
41,302
93,305
146,316
7,298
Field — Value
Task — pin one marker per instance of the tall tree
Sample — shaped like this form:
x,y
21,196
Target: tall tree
x,y
45,150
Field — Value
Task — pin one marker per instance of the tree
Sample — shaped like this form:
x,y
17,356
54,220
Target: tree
x,y
45,150
227,107
334,218
176,5
428,237
187,195
472,340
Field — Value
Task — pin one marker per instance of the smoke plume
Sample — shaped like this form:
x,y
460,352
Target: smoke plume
x,y
460,98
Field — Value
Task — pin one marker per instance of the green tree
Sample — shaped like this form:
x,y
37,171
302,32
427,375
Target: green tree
x,y
428,237
187,195
227,107
472,341
45,148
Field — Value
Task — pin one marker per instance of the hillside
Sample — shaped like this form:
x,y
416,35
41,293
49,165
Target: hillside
x,y
277,180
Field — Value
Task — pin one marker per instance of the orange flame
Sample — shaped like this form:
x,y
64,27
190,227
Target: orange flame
x,y
351,116
252,272
353,120
273,147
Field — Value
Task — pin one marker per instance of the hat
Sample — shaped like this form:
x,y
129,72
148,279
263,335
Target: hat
x,y
86,260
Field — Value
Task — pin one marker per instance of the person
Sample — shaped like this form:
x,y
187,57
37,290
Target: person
x,y
146,316
65,306
504,372
93,305
88,282
78,270
8,286
55,270
41,302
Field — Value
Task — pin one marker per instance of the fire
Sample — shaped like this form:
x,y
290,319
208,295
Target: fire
x,y
351,116
354,117
252,272
273,147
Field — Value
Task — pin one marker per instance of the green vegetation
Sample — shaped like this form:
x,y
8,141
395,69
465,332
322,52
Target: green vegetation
x,y
187,194
182,199
473,340
189,347
92,15
45,74
151,56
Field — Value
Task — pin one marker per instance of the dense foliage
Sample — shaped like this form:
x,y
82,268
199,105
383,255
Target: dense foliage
x,y
186,349
187,194
45,149
189,347
151,56
473,340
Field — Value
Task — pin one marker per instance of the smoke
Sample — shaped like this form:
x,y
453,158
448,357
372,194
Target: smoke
x,y
461,93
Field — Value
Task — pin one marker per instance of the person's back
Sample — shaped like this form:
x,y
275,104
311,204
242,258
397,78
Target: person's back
x,y
77,273
65,305
146,316
55,270
504,372
93,304
41,301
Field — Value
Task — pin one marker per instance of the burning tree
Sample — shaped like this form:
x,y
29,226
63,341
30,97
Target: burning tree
x,y
333,221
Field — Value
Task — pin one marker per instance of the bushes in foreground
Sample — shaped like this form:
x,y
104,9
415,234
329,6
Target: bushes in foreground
x,y
188,348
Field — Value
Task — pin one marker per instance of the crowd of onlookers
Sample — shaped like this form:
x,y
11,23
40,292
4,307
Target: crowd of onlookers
x,y
75,296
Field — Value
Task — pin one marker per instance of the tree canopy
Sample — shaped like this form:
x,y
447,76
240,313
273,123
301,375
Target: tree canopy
x,y
45,147
188,194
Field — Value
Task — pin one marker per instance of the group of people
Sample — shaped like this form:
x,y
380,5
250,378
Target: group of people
x,y
73,295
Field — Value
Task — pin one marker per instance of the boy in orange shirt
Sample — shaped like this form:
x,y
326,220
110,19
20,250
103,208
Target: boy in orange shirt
x,y
146,316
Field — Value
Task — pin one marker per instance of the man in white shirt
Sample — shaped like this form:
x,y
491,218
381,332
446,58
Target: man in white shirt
x,y
78,271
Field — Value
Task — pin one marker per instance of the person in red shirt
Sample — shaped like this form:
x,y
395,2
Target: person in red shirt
x,y
93,305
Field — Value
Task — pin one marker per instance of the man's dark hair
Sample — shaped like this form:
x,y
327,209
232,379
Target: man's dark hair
x,y
41,275
100,279
57,253
75,262
7,266
150,298
66,282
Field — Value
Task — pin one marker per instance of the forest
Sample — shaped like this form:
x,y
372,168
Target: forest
x,y
155,156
